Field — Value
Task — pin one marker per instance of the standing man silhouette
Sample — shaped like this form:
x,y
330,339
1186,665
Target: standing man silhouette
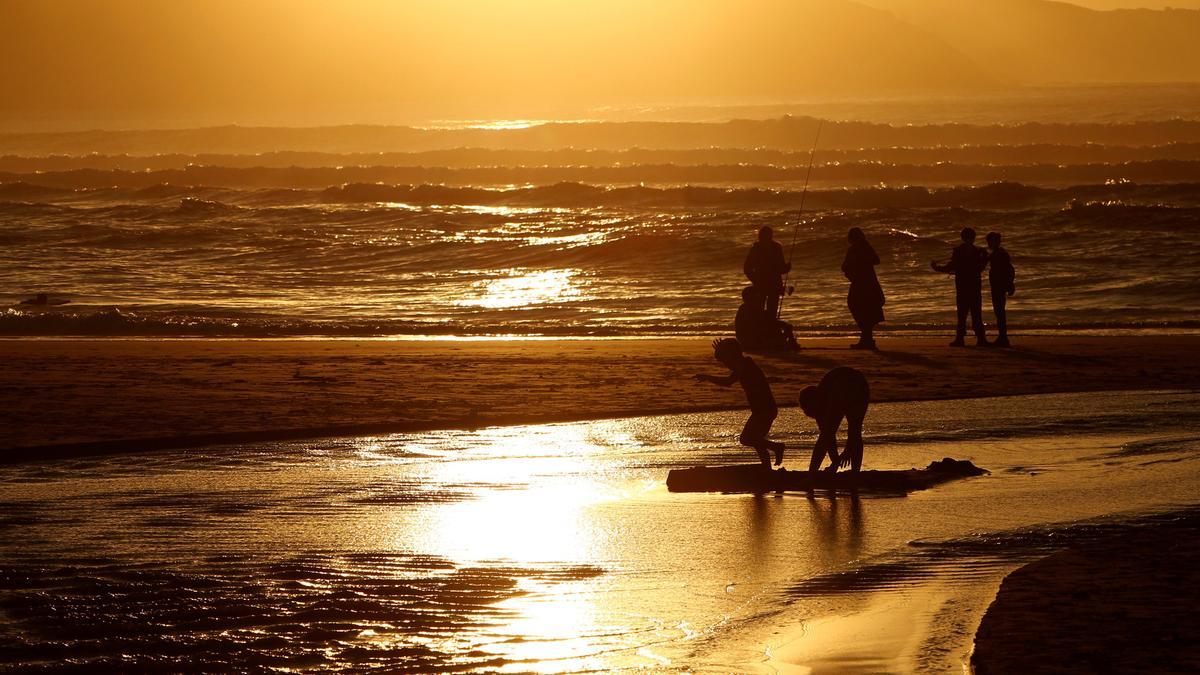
x,y
1002,277
966,264
765,267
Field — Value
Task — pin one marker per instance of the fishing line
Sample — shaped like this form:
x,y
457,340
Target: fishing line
x,y
796,232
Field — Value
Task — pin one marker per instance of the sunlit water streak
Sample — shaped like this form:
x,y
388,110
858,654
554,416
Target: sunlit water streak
x,y
215,268
556,548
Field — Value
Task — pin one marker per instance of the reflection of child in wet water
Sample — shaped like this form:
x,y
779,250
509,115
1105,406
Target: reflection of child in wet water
x,y
758,393
842,393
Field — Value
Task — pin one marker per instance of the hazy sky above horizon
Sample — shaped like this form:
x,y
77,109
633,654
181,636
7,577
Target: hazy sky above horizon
x,y
124,63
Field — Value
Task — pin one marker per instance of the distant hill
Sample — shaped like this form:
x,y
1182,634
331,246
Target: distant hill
x,y
1145,4
1038,42
788,133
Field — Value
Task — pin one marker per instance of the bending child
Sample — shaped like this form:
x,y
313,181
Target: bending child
x,y
758,393
842,393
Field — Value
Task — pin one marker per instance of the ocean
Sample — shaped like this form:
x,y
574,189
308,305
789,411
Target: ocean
x,y
571,258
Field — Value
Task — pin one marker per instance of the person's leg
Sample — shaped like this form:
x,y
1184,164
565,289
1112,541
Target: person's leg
x,y
977,316
824,444
999,302
862,331
760,299
789,335
754,435
775,447
854,443
772,305
963,306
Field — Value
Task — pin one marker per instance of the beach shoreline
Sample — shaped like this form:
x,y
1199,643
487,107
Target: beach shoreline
x,y
1120,603
72,397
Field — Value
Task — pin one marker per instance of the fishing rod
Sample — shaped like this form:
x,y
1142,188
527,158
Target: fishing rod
x,y
788,290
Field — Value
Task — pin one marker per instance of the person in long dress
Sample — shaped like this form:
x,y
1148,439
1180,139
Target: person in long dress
x,y
866,295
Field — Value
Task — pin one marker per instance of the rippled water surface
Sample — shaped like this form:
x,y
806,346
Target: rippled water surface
x,y
570,259
557,548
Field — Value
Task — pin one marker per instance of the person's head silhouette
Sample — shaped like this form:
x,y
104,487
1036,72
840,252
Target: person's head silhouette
x,y
766,234
856,236
749,294
968,235
728,352
993,240
810,401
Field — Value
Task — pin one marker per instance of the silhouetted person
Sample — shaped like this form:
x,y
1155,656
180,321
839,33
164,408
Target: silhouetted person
x,y
842,393
765,267
756,330
758,393
1002,277
748,324
783,334
866,295
966,264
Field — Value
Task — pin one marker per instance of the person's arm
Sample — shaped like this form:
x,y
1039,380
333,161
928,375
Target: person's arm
x,y
948,268
782,265
748,266
722,381
827,441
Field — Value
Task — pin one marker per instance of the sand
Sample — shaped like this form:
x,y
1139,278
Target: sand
x,y
1125,604
63,397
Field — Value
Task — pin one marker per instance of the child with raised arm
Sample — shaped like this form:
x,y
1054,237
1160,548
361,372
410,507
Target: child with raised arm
x,y
763,410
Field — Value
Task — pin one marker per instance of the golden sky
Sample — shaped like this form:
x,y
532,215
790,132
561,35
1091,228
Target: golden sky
x,y
92,63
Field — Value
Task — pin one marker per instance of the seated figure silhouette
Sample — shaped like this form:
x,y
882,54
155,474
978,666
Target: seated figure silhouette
x,y
1002,278
765,267
842,394
763,410
966,264
748,323
758,331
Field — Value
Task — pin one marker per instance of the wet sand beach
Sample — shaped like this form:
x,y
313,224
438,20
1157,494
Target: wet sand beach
x,y
67,396
557,548
1125,603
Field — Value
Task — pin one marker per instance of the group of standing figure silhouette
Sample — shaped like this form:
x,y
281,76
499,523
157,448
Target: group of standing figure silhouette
x,y
759,327
966,264
843,393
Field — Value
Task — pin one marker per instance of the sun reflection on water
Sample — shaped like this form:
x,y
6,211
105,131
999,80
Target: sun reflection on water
x,y
534,506
525,288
